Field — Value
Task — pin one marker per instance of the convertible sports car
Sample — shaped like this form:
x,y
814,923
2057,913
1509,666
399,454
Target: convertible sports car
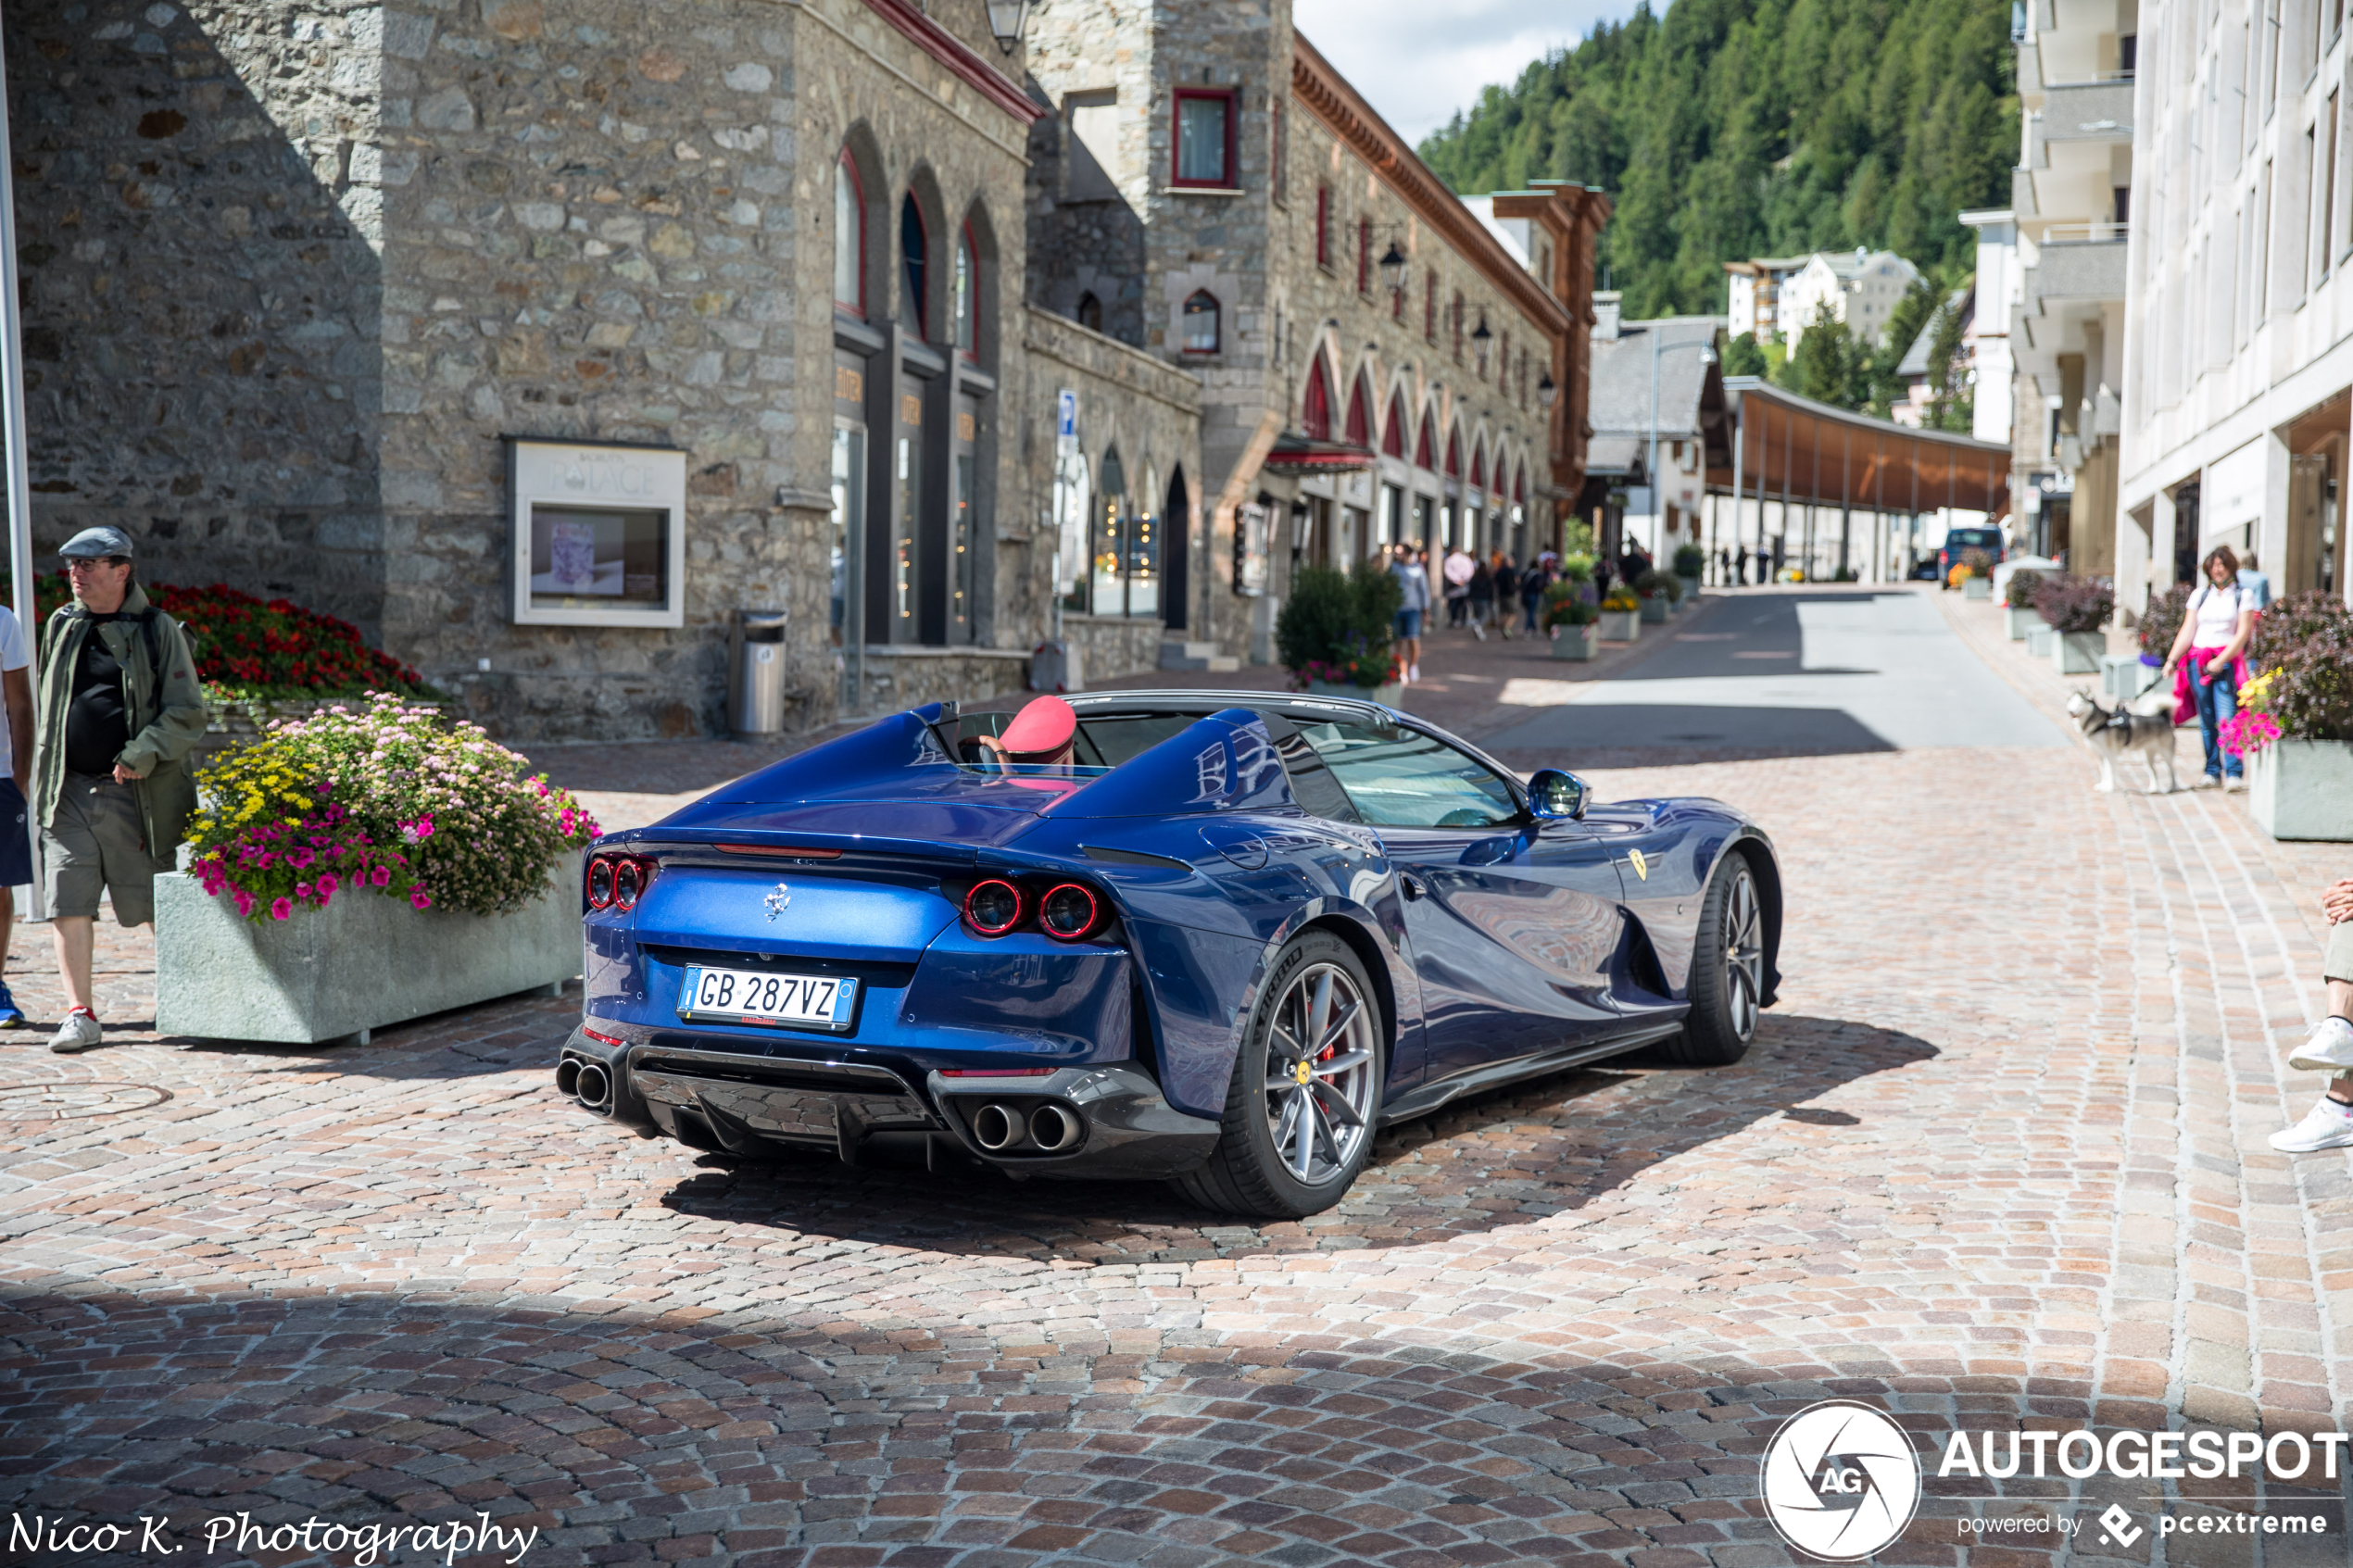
x,y
1214,937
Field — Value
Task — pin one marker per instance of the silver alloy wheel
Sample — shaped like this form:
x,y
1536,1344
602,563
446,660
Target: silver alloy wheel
x,y
1744,954
1319,1074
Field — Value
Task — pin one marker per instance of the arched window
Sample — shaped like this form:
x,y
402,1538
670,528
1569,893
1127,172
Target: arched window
x,y
1360,417
1392,436
1454,455
849,238
1199,332
915,251
1478,466
1316,418
1090,313
1429,306
968,297
1458,326
1422,458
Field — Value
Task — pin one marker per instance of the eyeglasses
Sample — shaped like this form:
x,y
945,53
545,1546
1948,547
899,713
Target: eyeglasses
x,y
89,564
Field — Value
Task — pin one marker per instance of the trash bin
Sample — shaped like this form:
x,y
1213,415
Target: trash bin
x,y
760,671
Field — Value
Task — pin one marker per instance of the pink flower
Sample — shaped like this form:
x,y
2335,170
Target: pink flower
x,y
302,890
281,908
328,883
245,903
382,876
418,899
300,859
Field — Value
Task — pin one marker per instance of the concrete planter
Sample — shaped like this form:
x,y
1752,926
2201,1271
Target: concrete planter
x,y
2124,677
2039,640
363,962
1387,696
1576,642
1691,590
1977,588
1620,625
2303,789
2078,653
2022,619
1654,608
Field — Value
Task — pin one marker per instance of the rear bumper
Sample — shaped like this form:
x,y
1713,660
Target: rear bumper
x,y
726,1102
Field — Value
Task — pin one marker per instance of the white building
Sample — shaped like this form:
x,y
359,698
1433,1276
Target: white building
x,y
2071,202
1755,291
2238,315
1995,303
1860,287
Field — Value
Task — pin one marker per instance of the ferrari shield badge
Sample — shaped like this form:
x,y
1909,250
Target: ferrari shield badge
x,y
777,900
1641,867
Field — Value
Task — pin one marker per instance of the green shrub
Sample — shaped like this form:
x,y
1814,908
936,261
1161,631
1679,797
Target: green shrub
x,y
1658,582
1689,562
2019,595
2161,621
1337,619
1980,564
1577,568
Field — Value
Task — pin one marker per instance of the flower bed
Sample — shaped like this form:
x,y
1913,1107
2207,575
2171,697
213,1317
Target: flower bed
x,y
1338,627
384,798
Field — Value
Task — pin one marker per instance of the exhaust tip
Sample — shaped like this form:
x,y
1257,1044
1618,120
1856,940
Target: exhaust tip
x,y
593,1086
1052,1129
568,1078
996,1128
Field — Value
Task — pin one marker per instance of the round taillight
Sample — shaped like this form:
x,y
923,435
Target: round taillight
x,y
628,881
1068,912
993,908
599,883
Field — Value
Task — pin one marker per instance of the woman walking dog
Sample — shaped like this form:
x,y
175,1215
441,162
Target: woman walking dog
x,y
2207,664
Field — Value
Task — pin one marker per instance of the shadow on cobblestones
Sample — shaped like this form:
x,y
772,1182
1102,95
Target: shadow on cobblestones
x,y
1510,1158
752,1437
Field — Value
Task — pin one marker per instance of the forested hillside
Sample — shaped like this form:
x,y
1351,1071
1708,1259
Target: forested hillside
x,y
1727,129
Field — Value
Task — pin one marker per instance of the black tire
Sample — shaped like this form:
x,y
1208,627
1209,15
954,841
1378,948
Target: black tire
x,y
1247,1173
1727,971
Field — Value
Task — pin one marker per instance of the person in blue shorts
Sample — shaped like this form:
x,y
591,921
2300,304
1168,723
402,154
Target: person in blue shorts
x,y
1413,579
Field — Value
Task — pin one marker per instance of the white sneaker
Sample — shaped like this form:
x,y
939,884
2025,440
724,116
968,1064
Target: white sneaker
x,y
78,1033
2232,787
2208,781
1413,672
2329,1049
2327,1125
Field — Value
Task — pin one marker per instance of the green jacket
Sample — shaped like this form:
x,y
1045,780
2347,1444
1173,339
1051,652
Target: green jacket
x,y
165,726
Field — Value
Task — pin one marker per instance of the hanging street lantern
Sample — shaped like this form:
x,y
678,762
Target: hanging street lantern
x,y
1005,22
1481,338
1392,268
1546,392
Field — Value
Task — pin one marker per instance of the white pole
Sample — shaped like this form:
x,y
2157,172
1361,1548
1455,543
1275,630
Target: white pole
x,y
1658,506
12,433
1740,450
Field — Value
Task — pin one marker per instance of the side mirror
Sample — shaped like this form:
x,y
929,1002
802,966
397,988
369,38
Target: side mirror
x,y
1556,796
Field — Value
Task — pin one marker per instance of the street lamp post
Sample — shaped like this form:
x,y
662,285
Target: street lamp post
x,y
1706,357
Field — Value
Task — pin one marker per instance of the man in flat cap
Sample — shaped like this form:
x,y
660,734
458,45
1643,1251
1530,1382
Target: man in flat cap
x,y
120,710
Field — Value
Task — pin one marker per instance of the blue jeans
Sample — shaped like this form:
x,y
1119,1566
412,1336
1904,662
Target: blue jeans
x,y
2216,698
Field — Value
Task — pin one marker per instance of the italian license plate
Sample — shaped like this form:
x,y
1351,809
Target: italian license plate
x,y
744,996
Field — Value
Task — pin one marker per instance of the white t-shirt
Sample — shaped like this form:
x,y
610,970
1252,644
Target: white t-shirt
x,y
13,656
2215,614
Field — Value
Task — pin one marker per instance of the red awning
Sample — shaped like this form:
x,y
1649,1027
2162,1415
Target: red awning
x,y
1294,453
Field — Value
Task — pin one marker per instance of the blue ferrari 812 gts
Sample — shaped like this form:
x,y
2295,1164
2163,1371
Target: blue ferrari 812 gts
x,y
1215,938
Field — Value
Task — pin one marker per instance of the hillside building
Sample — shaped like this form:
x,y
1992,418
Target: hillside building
x,y
1756,293
1861,289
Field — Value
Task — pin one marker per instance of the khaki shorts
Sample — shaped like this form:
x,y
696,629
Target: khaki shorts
x,y
2340,955
96,841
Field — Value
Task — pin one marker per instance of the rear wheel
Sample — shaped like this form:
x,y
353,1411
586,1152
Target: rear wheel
x,y
1306,1089
1727,971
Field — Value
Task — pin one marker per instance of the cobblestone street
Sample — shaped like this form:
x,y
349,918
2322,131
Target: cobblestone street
x,y
1997,1159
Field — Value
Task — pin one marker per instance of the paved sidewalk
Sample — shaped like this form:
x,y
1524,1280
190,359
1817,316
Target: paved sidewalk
x,y
1996,1161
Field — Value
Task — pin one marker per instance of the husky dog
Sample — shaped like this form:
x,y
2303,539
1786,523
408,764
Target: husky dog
x,y
2113,735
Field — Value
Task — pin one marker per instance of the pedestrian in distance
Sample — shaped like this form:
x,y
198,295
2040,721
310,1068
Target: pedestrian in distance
x,y
1532,583
1457,573
2207,664
1740,562
2329,1049
16,778
2255,581
1506,590
119,710
1481,590
1413,582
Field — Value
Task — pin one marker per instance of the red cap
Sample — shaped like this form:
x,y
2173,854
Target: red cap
x,y
1041,733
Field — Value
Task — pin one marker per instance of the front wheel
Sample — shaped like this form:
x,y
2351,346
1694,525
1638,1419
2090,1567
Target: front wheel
x,y
1306,1089
1727,971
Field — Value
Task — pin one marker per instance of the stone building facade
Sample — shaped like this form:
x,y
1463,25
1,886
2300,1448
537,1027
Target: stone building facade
x,y
301,278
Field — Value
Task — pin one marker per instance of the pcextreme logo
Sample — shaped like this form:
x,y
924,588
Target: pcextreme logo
x,y
1840,1480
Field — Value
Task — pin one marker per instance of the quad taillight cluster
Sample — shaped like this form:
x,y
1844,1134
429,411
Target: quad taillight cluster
x,y
617,882
1067,911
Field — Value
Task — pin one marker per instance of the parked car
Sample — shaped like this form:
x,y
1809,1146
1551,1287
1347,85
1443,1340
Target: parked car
x,y
1924,570
1218,939
1957,540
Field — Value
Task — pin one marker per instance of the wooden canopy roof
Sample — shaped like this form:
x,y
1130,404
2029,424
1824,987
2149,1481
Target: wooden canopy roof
x,y
1814,452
